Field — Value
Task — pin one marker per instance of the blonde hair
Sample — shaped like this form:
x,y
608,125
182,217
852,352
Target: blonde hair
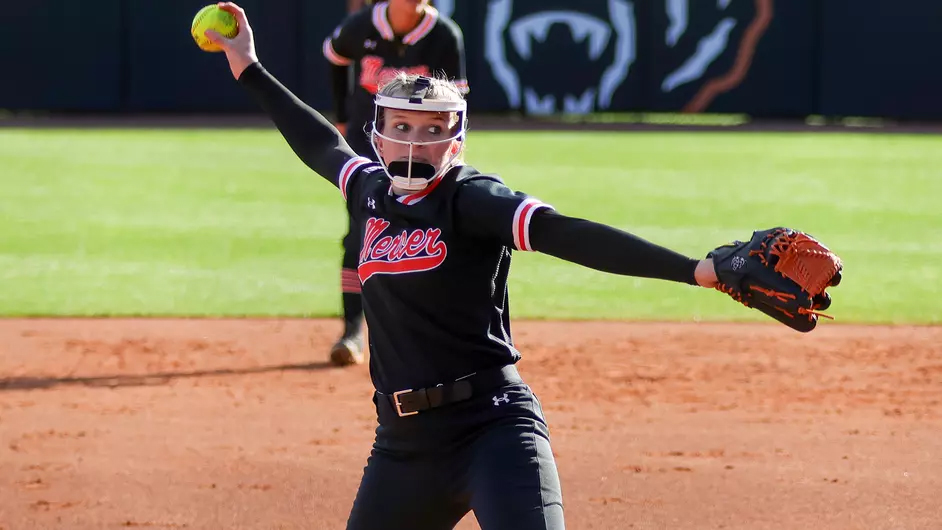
x,y
402,85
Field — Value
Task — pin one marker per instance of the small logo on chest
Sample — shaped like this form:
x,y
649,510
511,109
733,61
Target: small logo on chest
x,y
369,44
370,203
408,251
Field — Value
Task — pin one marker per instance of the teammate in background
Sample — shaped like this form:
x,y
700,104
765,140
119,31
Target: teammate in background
x,y
459,429
367,49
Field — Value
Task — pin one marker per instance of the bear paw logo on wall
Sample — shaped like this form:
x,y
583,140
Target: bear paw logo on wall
x,y
561,56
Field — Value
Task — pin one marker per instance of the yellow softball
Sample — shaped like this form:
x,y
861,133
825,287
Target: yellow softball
x,y
216,19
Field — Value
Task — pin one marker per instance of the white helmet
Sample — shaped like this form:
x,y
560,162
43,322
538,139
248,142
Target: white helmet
x,y
406,174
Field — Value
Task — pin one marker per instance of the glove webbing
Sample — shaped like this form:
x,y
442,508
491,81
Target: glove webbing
x,y
794,251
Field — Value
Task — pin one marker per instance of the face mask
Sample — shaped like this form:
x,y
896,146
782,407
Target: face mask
x,y
411,175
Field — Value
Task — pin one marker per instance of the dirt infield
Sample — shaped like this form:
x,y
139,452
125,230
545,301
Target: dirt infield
x,y
239,424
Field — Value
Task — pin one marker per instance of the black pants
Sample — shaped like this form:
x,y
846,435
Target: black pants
x,y
490,454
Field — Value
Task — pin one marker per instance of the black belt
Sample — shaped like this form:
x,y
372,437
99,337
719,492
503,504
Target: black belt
x,y
409,402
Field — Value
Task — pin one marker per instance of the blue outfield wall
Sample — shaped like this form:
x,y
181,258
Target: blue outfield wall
x,y
765,58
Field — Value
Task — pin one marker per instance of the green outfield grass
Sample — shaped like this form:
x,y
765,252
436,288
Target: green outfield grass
x,y
224,222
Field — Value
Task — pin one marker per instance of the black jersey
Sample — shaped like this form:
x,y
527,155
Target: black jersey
x,y
434,267
366,42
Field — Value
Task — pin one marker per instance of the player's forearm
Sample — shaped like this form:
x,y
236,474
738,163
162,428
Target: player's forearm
x,y
316,142
607,249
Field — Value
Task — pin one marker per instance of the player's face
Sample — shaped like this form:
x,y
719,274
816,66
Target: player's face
x,y
418,126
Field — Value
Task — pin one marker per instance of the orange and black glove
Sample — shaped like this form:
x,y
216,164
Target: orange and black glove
x,y
782,272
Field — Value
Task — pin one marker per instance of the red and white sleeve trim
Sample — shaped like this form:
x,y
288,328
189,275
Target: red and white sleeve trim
x,y
333,56
348,170
522,216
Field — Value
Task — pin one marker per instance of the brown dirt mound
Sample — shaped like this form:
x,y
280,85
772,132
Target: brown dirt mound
x,y
241,424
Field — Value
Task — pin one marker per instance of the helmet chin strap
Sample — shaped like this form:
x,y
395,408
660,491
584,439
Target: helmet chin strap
x,y
417,177
409,175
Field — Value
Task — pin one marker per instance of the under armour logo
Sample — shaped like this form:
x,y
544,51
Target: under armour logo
x,y
738,262
497,400
370,203
369,44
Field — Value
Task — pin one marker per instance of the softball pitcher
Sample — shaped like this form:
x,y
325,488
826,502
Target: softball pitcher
x,y
459,430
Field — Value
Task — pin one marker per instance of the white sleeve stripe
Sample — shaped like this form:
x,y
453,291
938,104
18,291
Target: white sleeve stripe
x,y
333,56
526,227
521,222
348,170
